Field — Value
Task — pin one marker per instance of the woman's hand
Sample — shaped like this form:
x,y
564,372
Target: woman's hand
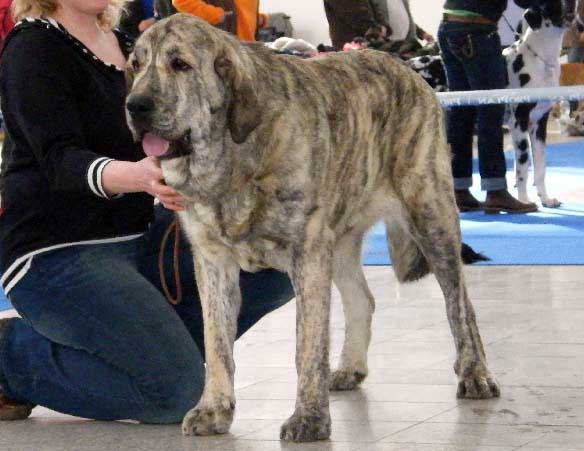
x,y
145,24
142,176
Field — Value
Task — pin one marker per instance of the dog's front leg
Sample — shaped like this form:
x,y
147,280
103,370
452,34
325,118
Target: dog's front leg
x,y
311,275
218,285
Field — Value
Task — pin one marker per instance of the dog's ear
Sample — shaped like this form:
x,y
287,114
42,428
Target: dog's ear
x,y
129,74
534,18
243,113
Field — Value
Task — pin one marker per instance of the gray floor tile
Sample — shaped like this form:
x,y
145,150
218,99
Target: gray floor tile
x,y
534,342
342,431
468,436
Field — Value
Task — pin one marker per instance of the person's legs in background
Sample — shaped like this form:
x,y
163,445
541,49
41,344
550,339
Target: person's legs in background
x,y
476,49
461,120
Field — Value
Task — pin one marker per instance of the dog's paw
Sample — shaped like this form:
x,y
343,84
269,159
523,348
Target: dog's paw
x,y
551,203
306,428
478,387
207,421
346,379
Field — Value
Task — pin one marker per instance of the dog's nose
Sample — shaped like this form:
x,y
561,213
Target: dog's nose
x,y
139,105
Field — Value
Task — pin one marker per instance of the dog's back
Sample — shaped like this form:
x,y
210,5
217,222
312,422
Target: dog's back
x,y
357,112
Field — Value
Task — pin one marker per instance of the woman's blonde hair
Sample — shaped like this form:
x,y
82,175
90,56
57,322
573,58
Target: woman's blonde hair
x,y
41,8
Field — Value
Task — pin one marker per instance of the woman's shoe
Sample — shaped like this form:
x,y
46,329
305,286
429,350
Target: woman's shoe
x,y
9,408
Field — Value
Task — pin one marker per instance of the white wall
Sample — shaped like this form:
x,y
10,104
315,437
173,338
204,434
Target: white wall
x,y
427,14
310,23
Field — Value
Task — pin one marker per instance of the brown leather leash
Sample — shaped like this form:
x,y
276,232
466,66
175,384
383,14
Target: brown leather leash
x,y
175,263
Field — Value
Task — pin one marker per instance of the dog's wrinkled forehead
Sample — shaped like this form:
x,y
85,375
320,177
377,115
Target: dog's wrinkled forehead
x,y
180,31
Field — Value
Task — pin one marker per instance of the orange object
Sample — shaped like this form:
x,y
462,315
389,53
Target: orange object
x,y
199,8
572,74
247,12
247,19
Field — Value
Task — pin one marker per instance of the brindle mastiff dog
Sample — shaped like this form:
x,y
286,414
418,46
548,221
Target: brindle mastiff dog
x,y
285,163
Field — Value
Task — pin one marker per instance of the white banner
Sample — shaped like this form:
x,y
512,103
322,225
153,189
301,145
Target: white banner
x,y
521,95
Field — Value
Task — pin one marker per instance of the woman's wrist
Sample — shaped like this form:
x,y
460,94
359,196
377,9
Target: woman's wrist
x,y
118,178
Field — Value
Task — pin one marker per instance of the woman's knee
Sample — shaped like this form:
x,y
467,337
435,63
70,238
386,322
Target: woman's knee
x,y
167,400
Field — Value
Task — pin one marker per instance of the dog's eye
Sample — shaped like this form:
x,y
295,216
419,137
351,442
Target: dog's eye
x,y
179,65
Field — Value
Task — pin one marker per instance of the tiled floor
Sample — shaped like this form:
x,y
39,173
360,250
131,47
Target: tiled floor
x,y
532,321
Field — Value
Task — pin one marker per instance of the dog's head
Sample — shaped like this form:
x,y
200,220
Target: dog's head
x,y
187,83
546,13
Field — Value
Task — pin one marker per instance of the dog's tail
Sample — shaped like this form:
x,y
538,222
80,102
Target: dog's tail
x,y
409,264
469,256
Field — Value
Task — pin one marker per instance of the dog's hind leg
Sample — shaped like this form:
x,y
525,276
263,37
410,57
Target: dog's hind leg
x,y
431,217
218,284
538,139
358,306
520,140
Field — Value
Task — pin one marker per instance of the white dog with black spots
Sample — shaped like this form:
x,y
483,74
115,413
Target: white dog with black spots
x,y
533,62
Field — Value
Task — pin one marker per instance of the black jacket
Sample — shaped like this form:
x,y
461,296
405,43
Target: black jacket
x,y
491,9
65,119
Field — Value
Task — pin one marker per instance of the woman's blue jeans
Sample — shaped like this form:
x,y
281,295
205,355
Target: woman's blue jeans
x,y
473,61
98,339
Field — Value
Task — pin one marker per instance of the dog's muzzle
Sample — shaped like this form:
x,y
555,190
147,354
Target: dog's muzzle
x,y
140,106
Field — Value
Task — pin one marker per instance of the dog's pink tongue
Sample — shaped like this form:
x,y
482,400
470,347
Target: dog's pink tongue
x,y
154,146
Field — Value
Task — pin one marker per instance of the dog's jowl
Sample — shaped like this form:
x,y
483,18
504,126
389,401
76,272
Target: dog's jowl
x,y
285,163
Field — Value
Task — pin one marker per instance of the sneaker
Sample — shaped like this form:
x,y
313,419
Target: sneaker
x,y
501,201
465,201
10,409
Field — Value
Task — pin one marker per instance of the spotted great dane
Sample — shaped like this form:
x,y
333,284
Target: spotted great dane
x,y
533,62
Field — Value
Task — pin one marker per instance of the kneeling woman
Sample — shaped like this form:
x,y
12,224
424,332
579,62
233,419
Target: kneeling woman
x,y
80,236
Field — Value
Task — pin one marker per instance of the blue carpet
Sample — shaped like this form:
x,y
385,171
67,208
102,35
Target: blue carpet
x,y
548,237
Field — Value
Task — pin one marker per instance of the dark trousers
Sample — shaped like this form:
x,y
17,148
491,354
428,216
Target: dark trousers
x,y
98,339
473,61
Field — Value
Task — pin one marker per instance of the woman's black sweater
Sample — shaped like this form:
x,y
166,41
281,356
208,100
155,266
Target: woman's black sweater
x,y
65,120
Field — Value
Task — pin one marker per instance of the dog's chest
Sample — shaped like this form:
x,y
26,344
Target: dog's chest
x,y
257,229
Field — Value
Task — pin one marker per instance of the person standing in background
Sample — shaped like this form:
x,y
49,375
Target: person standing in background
x,y
471,51
239,17
397,14
137,16
349,19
